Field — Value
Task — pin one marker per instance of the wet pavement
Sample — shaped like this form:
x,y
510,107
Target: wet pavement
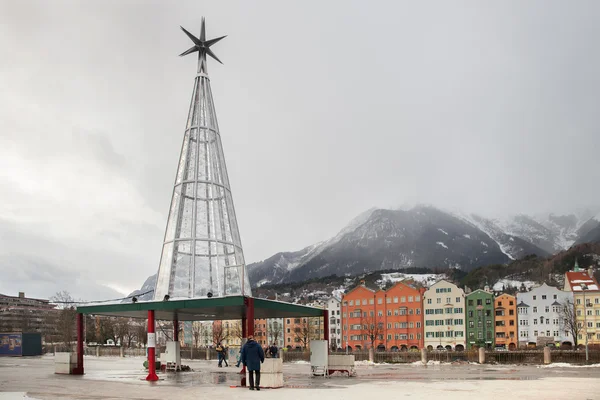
x,y
123,378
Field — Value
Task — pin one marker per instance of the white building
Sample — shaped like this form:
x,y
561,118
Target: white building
x,y
275,331
335,322
539,316
444,306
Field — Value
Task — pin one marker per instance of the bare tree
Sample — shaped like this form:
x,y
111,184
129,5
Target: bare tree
x,y
65,318
568,320
196,332
217,332
141,332
108,329
302,332
372,326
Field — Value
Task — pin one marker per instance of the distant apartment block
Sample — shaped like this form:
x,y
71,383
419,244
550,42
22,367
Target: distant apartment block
x,y
24,314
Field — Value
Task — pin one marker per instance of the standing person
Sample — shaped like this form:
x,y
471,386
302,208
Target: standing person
x,y
252,356
221,355
273,350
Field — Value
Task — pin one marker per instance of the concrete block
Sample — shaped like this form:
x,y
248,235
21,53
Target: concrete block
x,y
269,380
341,361
63,368
271,366
65,358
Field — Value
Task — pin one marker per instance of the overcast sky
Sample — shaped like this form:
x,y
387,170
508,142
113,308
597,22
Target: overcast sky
x,y
325,108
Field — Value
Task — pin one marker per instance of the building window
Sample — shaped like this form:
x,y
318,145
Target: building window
x,y
535,298
499,304
388,300
428,301
395,300
439,300
488,301
418,324
402,299
543,297
448,300
534,309
380,301
410,299
547,309
351,302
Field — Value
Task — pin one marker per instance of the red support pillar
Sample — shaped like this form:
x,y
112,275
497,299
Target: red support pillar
x,y
247,326
80,337
151,348
326,328
250,316
176,330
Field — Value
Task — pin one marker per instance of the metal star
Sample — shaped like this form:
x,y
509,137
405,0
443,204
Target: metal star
x,y
202,46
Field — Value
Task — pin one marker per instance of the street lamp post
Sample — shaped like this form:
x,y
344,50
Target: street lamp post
x,y
583,289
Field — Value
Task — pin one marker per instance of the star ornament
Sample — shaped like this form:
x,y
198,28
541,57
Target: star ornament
x,y
202,46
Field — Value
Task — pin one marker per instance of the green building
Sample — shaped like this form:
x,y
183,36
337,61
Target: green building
x,y
480,319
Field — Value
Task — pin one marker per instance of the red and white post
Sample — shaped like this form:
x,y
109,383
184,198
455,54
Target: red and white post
x,y
151,348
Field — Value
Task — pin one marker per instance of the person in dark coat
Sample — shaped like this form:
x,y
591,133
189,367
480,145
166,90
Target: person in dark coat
x,y
273,350
252,356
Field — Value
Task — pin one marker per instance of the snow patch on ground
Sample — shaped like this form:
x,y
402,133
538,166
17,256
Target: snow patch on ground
x,y
443,231
485,244
364,362
442,244
467,236
301,362
567,365
502,283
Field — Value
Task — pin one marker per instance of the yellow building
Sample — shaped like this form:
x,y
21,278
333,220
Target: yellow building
x,y
586,299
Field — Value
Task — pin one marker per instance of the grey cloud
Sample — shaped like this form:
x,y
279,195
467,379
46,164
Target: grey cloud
x,y
325,110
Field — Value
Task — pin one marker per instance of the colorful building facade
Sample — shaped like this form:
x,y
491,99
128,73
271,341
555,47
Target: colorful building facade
x,y
386,320
480,319
586,299
444,306
541,320
505,312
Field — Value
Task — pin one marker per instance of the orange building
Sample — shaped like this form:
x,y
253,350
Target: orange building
x,y
505,308
260,331
386,320
296,333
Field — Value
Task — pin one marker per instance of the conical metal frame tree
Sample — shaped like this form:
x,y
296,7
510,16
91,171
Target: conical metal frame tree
x,y
202,252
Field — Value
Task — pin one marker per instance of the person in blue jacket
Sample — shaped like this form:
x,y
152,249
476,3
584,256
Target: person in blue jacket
x,y
252,356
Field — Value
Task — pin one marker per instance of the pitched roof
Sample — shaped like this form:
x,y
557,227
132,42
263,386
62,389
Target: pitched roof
x,y
577,279
521,304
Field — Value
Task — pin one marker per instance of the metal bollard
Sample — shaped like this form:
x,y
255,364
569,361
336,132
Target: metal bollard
x,y
424,356
481,355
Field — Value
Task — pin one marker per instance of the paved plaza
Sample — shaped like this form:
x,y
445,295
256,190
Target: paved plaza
x,y
122,378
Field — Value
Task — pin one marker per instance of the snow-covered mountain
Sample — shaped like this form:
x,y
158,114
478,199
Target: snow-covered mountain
x,y
396,239
423,236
